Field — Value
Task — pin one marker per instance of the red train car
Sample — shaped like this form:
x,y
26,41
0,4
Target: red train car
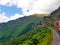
x,y
57,25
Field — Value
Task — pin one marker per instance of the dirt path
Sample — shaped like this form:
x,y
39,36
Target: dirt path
x,y
55,40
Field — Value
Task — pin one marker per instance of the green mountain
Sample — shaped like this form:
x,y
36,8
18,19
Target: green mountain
x,y
14,31
38,35
16,27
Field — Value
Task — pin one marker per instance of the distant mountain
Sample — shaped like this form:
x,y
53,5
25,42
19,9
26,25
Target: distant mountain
x,y
54,16
15,28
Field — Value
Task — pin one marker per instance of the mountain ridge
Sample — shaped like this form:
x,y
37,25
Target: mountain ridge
x,y
52,18
14,27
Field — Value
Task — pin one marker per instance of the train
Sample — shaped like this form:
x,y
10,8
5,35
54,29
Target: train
x,y
57,25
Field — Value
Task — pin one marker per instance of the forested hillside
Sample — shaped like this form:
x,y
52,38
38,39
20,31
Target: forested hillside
x,y
15,27
25,31
39,35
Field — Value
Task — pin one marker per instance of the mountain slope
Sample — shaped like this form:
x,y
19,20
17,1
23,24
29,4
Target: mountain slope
x,y
54,16
17,27
38,35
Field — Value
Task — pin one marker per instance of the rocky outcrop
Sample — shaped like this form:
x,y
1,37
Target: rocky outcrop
x,y
54,16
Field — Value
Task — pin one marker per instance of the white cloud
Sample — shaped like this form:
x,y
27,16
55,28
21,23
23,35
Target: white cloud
x,y
34,6
16,16
38,6
8,2
4,18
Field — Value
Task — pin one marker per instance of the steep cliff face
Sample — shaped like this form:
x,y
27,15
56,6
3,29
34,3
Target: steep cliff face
x,y
54,16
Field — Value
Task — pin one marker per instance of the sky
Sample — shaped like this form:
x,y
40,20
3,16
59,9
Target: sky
x,y
13,9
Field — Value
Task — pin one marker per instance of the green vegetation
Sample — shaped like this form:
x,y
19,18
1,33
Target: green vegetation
x,y
41,15
25,31
39,35
15,28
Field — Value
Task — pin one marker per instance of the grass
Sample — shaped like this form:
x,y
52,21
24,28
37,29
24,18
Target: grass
x,y
46,40
41,15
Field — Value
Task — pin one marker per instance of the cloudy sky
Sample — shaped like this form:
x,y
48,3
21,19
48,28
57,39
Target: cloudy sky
x,y
13,9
